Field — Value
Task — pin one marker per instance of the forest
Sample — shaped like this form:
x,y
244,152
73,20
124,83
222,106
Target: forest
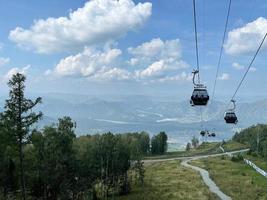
x,y
256,137
52,163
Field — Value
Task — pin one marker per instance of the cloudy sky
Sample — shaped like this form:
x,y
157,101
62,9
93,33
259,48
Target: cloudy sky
x,y
130,46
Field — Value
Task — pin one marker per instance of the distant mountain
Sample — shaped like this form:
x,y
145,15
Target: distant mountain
x,y
137,113
131,113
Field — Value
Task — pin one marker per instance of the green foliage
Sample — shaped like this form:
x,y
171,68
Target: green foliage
x,y
50,161
139,144
139,169
16,122
188,146
60,166
53,164
255,137
195,142
17,116
237,158
159,143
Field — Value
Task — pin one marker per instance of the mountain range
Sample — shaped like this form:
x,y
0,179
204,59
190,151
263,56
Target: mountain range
x,y
132,113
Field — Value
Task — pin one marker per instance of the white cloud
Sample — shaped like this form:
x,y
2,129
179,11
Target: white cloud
x,y
92,64
179,77
113,74
133,61
107,64
157,49
237,66
247,38
155,69
4,61
224,77
97,22
157,57
252,69
87,63
15,70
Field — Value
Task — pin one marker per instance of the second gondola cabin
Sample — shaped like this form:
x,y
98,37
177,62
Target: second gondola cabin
x,y
230,117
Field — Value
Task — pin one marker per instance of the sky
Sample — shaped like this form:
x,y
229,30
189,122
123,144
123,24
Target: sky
x,y
132,47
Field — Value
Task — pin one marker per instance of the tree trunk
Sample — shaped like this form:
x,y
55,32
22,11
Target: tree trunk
x,y
20,134
22,178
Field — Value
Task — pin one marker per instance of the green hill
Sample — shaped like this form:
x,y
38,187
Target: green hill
x,y
255,137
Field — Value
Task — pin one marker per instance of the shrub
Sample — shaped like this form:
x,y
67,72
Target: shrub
x,y
237,158
223,157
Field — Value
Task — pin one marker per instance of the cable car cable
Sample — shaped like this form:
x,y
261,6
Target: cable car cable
x,y
201,119
221,50
230,116
197,54
196,41
254,57
200,96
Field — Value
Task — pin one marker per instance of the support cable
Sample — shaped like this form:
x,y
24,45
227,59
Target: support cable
x,y
221,50
196,40
254,57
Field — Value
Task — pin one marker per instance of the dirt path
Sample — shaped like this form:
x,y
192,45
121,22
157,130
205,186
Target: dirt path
x,y
207,180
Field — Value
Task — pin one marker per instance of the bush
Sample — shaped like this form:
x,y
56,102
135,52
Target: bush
x,y
223,157
254,154
239,157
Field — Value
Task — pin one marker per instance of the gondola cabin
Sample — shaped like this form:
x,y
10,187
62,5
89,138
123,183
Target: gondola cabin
x,y
230,117
202,133
200,96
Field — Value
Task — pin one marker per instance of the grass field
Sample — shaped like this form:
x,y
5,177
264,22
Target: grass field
x,y
259,161
232,145
236,179
168,181
204,148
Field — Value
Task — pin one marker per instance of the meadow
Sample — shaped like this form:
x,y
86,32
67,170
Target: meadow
x,y
236,179
169,180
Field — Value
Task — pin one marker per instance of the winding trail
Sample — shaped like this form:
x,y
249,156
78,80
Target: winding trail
x,y
204,173
207,180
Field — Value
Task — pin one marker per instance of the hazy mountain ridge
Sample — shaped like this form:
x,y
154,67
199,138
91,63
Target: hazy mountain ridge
x,y
132,113
136,113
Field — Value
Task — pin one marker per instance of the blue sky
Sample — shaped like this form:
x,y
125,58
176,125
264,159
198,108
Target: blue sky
x,y
131,47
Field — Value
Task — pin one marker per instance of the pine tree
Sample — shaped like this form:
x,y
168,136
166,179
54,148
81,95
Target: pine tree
x,y
19,117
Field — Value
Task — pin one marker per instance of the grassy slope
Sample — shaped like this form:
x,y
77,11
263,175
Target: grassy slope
x,y
169,181
259,161
204,148
236,179
232,145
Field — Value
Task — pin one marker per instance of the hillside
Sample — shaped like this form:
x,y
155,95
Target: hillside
x,y
255,137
